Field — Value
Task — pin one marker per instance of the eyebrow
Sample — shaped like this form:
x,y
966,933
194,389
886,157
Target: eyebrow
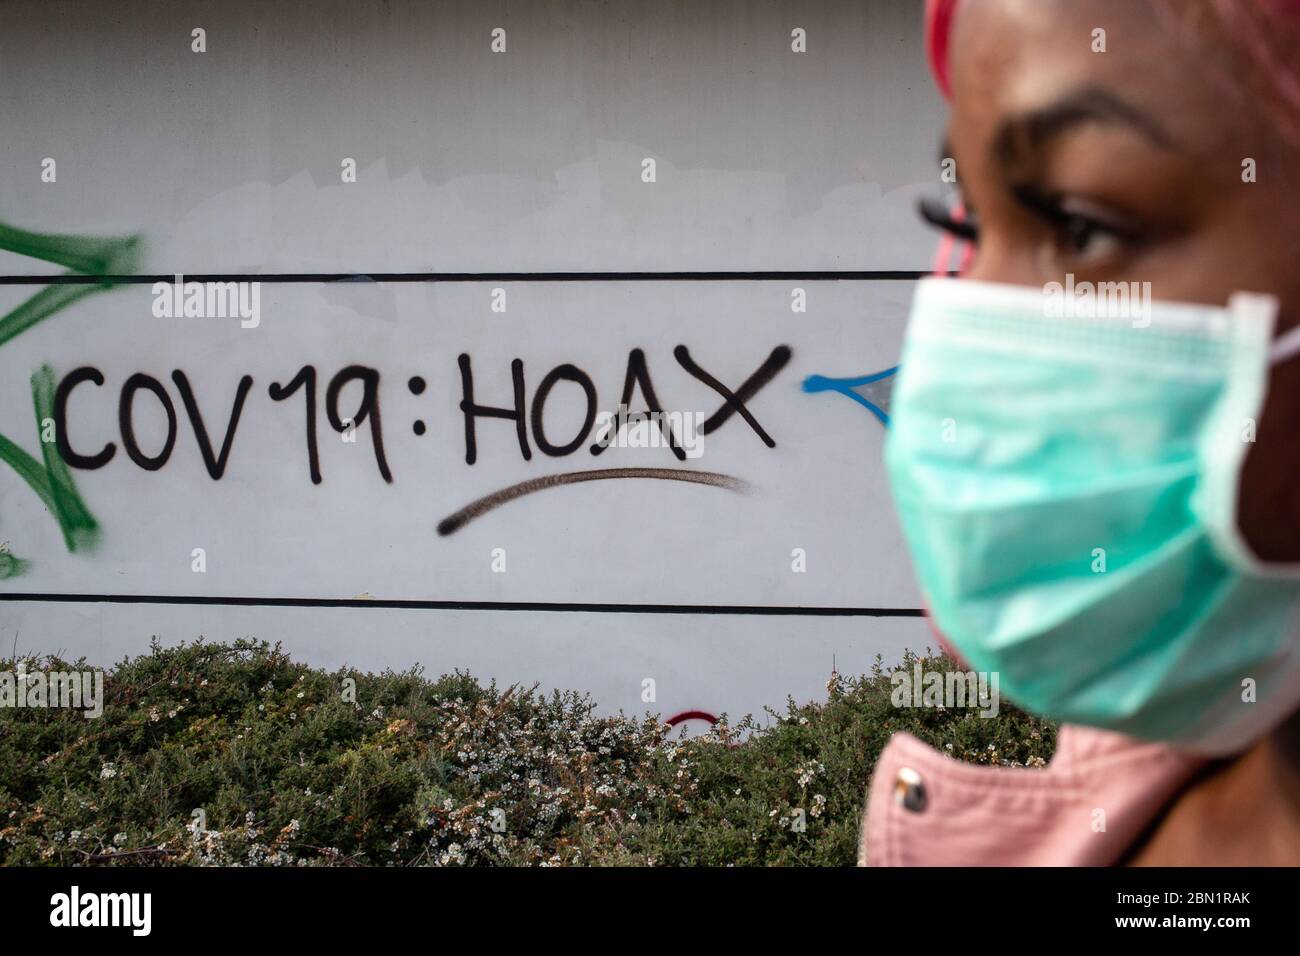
x,y
1092,104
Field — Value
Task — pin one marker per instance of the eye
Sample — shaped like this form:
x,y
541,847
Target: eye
x,y
1080,229
1089,238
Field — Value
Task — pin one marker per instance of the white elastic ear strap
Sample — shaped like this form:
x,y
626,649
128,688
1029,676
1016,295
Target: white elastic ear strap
x,y
1251,321
1263,308
1285,346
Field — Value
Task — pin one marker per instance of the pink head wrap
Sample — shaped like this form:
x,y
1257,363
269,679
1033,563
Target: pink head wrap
x,y
1272,26
938,25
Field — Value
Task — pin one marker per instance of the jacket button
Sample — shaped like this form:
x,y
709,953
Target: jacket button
x,y
909,790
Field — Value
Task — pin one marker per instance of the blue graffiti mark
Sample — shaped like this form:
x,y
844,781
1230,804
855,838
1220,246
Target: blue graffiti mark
x,y
845,386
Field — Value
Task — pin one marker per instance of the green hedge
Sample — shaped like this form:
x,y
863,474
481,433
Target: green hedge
x,y
235,754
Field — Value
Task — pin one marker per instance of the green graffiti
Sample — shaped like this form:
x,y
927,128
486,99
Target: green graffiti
x,y
50,478
82,255
11,565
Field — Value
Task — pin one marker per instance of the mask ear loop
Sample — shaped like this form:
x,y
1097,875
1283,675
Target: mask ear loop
x,y
1262,308
1258,310
1285,347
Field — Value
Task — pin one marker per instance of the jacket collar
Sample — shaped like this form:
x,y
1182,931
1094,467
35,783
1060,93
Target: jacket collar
x,y
1086,807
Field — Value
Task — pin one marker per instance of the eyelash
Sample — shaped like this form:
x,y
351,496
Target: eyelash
x,y
1075,228
937,214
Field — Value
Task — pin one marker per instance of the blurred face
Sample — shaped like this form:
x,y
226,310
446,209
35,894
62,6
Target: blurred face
x,y
1127,166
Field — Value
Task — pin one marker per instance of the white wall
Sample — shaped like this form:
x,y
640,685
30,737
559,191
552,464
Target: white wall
x,y
524,162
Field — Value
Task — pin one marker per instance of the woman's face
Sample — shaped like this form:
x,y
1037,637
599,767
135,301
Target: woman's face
x,y
1127,165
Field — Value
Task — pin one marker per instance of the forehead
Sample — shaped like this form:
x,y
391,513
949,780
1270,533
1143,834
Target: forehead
x,y
1014,56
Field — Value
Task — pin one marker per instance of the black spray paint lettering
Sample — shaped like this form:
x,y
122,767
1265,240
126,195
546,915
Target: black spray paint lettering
x,y
369,408
141,387
367,411
637,377
305,379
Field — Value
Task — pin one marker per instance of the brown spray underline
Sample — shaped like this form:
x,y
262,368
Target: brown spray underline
x,y
454,522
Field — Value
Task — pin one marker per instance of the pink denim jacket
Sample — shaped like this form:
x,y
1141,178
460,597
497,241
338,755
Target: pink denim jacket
x,y
1087,807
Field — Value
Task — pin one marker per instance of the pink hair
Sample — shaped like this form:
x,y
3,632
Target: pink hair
x,y
1266,32
1266,35
938,27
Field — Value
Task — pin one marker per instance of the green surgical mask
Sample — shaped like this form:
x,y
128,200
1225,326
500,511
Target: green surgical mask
x,y
1067,487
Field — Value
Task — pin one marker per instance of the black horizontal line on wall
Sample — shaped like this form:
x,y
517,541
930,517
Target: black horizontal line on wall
x,y
203,599
291,277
